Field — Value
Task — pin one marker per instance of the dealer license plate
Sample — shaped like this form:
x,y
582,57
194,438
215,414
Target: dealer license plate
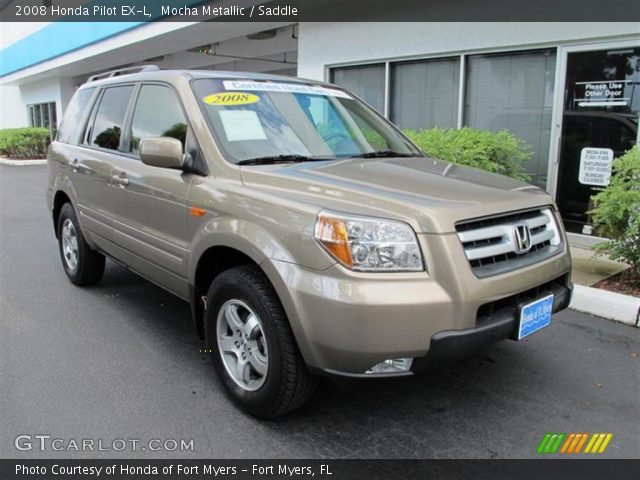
x,y
535,316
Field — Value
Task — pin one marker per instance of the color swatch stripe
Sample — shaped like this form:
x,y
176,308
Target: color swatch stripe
x,y
543,443
572,443
606,441
565,447
582,441
556,445
590,444
596,445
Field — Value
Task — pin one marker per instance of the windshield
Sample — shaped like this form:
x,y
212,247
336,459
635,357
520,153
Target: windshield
x,y
254,120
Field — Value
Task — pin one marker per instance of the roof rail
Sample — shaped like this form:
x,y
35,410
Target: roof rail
x,y
123,71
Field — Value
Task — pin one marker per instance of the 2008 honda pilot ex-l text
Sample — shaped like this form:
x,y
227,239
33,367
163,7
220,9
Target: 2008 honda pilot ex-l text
x,y
309,234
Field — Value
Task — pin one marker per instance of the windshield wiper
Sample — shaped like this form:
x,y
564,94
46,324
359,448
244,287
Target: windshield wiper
x,y
271,159
384,154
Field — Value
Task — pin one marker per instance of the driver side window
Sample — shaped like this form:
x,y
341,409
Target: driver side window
x,y
157,114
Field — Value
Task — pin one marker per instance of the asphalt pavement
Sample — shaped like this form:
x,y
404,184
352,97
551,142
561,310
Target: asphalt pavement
x,y
121,361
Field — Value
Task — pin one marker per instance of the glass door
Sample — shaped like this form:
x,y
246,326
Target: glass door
x,y
599,123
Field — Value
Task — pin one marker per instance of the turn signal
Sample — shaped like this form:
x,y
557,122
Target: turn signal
x,y
331,232
197,212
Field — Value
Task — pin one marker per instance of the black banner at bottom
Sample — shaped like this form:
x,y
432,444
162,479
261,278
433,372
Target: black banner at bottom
x,y
318,469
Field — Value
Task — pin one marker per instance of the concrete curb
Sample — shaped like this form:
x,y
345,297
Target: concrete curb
x,y
22,163
611,305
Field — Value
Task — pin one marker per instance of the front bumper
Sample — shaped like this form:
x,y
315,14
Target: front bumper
x,y
493,326
345,322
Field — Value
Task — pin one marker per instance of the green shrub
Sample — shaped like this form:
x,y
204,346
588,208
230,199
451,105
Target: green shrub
x,y
497,152
617,211
24,142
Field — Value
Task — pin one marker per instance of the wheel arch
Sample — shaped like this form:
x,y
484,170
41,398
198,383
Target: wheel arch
x,y
211,262
59,199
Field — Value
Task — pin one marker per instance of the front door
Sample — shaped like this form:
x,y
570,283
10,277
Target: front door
x,y
149,204
599,123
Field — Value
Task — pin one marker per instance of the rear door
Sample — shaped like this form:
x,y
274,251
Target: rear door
x,y
149,204
92,161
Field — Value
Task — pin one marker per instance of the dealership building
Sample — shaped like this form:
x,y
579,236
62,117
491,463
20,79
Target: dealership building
x,y
570,91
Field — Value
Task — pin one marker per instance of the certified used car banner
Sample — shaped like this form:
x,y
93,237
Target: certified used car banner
x,y
314,10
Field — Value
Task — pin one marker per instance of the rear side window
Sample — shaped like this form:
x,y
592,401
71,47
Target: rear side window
x,y
69,130
107,126
157,114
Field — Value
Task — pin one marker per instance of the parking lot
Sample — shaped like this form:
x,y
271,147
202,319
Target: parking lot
x,y
121,361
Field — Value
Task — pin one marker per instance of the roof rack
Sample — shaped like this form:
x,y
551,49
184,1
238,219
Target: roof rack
x,y
123,71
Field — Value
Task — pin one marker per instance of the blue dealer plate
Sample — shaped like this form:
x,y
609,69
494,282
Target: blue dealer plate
x,y
535,316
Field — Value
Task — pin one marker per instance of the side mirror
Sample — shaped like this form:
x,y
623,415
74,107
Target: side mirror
x,y
163,152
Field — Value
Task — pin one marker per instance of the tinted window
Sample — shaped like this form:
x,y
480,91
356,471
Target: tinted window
x,y
157,114
107,128
68,132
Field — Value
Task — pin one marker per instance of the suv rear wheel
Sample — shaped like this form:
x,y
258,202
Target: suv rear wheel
x,y
82,265
254,352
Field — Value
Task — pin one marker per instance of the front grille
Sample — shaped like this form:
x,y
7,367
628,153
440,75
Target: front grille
x,y
503,243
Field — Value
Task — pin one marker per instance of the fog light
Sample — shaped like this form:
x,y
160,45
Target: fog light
x,y
394,365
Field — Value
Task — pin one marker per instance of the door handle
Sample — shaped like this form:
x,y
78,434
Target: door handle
x,y
120,179
75,165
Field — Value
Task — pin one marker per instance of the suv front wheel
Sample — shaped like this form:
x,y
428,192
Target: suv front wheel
x,y
254,351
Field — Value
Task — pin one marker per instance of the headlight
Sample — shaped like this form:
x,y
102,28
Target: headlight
x,y
369,244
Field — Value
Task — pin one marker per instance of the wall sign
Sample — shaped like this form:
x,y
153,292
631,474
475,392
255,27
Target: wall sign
x,y
606,93
595,166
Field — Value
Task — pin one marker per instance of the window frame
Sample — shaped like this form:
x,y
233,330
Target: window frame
x,y
385,82
200,166
51,109
85,141
126,129
80,131
463,56
459,94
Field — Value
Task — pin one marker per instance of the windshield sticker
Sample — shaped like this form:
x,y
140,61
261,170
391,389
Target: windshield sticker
x,y
231,99
283,87
240,125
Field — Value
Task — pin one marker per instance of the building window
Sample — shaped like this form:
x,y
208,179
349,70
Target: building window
x,y
365,81
505,91
43,115
424,94
514,92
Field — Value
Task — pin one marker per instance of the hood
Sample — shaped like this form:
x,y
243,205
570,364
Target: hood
x,y
430,194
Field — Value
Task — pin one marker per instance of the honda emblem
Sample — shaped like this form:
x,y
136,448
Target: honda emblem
x,y
522,237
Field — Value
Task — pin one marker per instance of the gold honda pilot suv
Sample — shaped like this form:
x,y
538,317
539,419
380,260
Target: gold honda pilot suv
x,y
309,235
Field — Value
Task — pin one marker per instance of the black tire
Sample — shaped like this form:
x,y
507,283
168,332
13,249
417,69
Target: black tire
x,y
90,264
288,383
